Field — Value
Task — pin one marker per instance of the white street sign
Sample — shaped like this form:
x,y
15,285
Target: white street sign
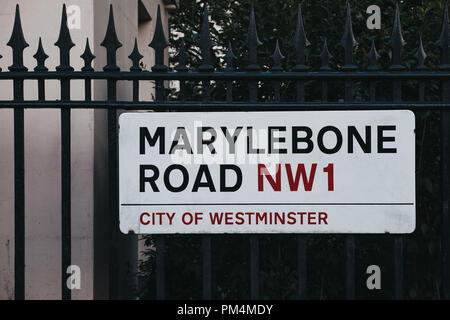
x,y
267,172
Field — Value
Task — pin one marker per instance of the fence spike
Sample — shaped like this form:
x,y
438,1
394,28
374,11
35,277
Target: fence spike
x,y
182,59
397,42
111,43
348,41
443,41
40,57
205,42
159,43
135,57
373,57
252,43
87,56
300,43
18,44
421,55
325,57
64,43
277,56
229,58
0,58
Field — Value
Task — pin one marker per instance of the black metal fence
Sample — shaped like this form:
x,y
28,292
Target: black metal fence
x,y
205,74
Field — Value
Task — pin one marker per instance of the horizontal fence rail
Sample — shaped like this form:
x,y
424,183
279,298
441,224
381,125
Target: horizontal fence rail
x,y
205,74
224,106
261,76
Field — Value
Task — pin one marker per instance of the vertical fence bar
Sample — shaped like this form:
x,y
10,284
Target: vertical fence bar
x,y
65,43
206,239
206,86
87,57
159,43
66,189
445,167
254,249
348,42
253,91
160,270
135,90
229,59
444,44
372,89
41,90
252,44
205,44
40,57
229,91
324,90
182,59
325,57
421,56
113,194
398,240
87,90
302,268
396,43
373,57
111,43
350,239
300,43
277,56
135,58
398,267
421,91
350,267
206,245
19,195
254,267
18,44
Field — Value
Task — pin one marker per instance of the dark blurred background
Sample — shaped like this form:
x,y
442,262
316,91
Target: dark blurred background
x,y
276,19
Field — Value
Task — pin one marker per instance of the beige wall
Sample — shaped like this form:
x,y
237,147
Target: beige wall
x,y
42,150
42,161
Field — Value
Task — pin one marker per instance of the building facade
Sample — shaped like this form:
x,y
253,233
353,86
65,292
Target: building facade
x,y
87,19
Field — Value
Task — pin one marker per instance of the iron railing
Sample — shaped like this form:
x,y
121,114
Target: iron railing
x,y
206,73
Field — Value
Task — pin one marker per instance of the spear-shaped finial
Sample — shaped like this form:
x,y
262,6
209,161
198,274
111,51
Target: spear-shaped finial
x,y
182,59
252,43
64,43
111,43
300,43
87,56
159,43
277,56
135,57
325,57
348,41
40,57
421,55
229,58
373,57
397,42
0,58
443,41
17,43
205,42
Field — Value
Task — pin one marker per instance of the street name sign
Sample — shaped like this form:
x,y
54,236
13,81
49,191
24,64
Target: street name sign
x,y
267,172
